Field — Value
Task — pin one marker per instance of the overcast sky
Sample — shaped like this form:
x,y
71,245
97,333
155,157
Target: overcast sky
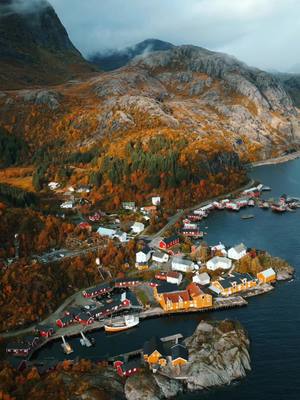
x,y
263,33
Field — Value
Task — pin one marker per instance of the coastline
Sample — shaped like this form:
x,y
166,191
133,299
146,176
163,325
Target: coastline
x,y
276,160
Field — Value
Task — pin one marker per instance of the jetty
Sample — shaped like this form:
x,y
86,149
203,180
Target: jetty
x,y
84,341
66,346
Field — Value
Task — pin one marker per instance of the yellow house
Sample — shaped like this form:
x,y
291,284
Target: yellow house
x,y
179,355
267,276
154,352
191,297
235,284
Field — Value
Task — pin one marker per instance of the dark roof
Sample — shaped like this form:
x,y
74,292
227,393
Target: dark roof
x,y
19,345
66,319
179,351
166,287
146,249
136,363
44,328
74,311
84,316
133,300
170,239
153,344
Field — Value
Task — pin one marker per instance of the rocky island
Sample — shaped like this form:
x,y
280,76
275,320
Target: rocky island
x,y
218,354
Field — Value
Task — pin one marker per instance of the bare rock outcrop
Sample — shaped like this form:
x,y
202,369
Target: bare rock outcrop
x,y
218,355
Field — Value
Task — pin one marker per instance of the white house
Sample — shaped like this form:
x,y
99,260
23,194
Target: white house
x,y
53,185
202,279
67,204
143,255
122,236
218,263
174,277
156,201
182,265
106,232
160,257
138,227
219,247
237,252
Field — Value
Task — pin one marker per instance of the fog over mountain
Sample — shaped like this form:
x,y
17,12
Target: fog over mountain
x,y
247,29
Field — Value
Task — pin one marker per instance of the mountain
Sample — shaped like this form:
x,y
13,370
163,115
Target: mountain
x,y
35,48
291,83
180,123
108,61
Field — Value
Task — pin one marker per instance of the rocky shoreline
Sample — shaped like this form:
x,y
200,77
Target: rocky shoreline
x,y
218,355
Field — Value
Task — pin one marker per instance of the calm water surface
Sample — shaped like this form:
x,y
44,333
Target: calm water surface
x,y
272,320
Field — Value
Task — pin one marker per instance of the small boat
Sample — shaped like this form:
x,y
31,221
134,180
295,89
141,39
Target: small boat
x,y
279,208
251,203
66,346
266,189
247,216
118,325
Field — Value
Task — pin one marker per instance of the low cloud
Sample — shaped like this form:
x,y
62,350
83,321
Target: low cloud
x,y
263,33
8,7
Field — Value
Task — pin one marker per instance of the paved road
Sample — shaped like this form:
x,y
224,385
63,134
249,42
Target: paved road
x,y
172,221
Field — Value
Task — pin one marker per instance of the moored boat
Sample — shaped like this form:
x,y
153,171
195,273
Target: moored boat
x,y
118,325
279,208
247,216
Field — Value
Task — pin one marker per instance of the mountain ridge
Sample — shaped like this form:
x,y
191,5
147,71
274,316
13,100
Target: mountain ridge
x,y
35,48
114,59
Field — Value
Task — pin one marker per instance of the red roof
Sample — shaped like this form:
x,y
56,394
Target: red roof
x,y
173,274
174,296
194,290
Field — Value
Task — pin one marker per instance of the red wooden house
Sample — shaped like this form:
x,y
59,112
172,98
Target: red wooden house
x,y
127,368
98,290
192,233
65,321
126,283
171,241
44,330
85,318
162,276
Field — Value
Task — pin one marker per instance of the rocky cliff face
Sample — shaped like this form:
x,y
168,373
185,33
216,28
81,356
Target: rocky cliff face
x,y
35,47
218,354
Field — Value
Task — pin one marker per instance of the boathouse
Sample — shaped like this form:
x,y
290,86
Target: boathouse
x,y
267,276
196,233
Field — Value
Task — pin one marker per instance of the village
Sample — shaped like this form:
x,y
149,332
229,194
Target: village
x,y
173,274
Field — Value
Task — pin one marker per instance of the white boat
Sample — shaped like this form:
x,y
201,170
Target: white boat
x,y
118,325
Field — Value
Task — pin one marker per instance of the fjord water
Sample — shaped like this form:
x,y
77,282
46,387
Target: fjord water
x,y
272,320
